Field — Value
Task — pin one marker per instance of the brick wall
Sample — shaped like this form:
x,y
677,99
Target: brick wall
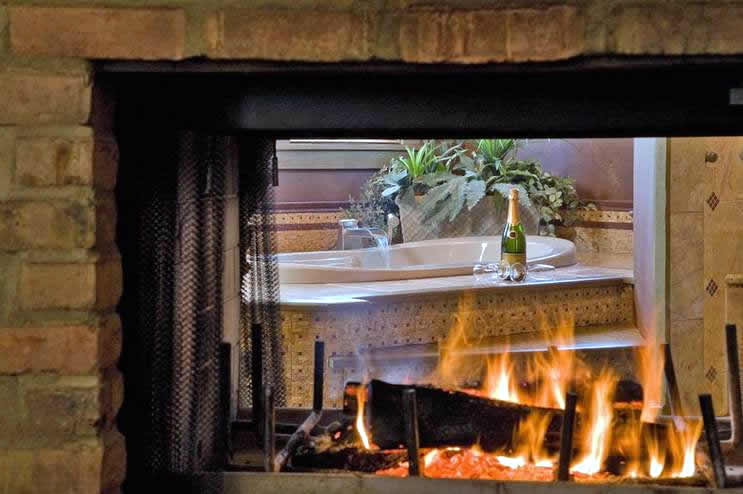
x,y
60,273
60,280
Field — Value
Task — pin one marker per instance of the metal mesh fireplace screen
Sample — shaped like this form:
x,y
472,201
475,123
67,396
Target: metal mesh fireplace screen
x,y
171,218
259,271
172,194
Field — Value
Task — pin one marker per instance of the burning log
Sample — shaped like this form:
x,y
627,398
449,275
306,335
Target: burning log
x,y
455,418
446,417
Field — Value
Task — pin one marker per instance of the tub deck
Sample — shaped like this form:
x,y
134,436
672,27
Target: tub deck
x,y
329,294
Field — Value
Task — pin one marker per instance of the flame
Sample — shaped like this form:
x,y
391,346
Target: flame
x,y
650,361
499,382
598,434
360,426
654,451
683,444
512,462
657,454
529,438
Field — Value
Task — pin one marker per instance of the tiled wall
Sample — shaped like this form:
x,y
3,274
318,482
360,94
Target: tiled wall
x,y
305,231
723,245
597,232
430,318
602,237
705,244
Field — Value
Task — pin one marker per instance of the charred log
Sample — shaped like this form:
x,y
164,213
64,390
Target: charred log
x,y
454,418
346,458
446,417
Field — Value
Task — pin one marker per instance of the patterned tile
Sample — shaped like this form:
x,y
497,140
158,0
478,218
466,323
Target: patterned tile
x,y
713,201
429,319
711,374
712,288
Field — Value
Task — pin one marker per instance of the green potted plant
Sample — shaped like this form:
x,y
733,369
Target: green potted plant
x,y
458,188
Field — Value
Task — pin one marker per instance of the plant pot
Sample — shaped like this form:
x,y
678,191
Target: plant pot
x,y
485,219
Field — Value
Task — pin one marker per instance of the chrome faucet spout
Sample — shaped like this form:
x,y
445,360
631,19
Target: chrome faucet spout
x,y
351,236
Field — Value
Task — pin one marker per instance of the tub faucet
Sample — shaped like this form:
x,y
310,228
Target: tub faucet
x,y
351,236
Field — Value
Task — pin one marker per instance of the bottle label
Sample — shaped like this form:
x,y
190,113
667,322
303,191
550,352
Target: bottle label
x,y
513,258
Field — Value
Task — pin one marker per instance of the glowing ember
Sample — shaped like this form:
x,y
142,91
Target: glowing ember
x,y
512,462
472,464
429,457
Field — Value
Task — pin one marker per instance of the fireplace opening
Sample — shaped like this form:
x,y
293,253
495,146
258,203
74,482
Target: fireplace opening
x,y
406,347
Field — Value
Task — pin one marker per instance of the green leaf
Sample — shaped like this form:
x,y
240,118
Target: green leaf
x,y
435,179
441,193
390,190
458,196
474,190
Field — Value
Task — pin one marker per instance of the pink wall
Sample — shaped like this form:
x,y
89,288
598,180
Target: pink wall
x,y
602,169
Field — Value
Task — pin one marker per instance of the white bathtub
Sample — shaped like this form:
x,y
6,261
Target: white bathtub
x,y
425,259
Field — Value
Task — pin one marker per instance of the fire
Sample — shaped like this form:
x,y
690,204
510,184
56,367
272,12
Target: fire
x,y
360,427
657,453
499,382
597,437
649,369
683,444
512,462
529,440
649,447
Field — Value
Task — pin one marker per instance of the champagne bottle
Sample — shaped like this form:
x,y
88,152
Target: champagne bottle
x,y
513,244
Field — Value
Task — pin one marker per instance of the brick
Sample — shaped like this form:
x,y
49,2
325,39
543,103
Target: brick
x,y
73,469
105,221
36,97
112,396
9,269
722,34
16,472
56,414
675,29
109,283
57,286
45,161
129,33
311,35
7,159
63,349
110,341
114,460
3,34
12,417
455,36
46,224
105,162
552,33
